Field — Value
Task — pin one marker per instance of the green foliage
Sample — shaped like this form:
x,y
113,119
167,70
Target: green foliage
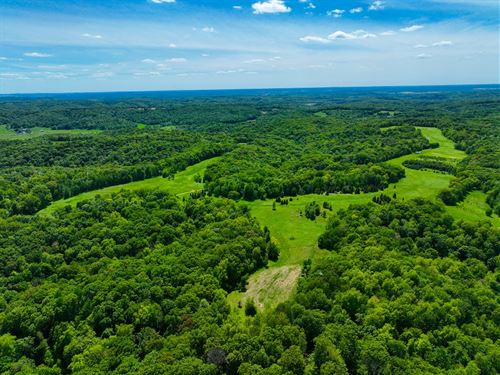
x,y
47,169
138,282
114,280
310,155
431,164
312,210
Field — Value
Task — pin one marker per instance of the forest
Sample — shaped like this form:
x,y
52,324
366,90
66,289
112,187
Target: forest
x,y
152,281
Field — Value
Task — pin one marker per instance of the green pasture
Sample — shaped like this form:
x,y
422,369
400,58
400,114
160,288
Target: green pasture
x,y
38,132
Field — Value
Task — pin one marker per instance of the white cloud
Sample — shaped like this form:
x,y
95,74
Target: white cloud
x,y
270,7
388,33
424,56
53,67
148,61
341,35
139,74
177,60
237,7
356,10
231,71
362,34
314,39
253,61
163,1
172,45
337,13
311,6
420,46
377,5
102,75
13,76
358,34
208,29
36,54
409,29
443,43
92,36
162,66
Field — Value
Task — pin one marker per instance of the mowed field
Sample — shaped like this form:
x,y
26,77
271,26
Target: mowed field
x,y
183,183
38,132
297,236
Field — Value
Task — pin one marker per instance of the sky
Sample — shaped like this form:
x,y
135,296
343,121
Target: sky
x,y
134,45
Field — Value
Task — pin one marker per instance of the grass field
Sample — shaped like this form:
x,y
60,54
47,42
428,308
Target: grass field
x,y
183,183
38,132
297,236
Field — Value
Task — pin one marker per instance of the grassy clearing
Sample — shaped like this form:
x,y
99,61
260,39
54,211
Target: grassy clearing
x,y
473,208
38,132
297,236
183,183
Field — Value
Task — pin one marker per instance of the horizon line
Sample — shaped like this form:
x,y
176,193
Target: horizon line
x,y
239,89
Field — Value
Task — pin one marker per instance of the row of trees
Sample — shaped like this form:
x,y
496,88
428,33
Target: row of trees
x,y
432,164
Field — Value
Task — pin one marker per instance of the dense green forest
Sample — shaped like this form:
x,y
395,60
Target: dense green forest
x,y
140,282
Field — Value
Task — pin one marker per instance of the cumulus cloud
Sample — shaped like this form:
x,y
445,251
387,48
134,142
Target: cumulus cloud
x,y
388,33
424,56
208,30
337,13
411,28
237,7
358,34
341,35
36,54
377,5
270,7
172,45
163,1
314,39
148,61
420,46
356,10
92,36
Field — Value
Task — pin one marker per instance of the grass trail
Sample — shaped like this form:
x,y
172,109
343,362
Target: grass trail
x,y
183,183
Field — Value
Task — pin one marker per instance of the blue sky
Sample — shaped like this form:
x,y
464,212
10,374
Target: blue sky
x,y
122,45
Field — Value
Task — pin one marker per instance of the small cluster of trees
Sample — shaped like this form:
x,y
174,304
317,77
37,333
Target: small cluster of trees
x,y
432,164
312,210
